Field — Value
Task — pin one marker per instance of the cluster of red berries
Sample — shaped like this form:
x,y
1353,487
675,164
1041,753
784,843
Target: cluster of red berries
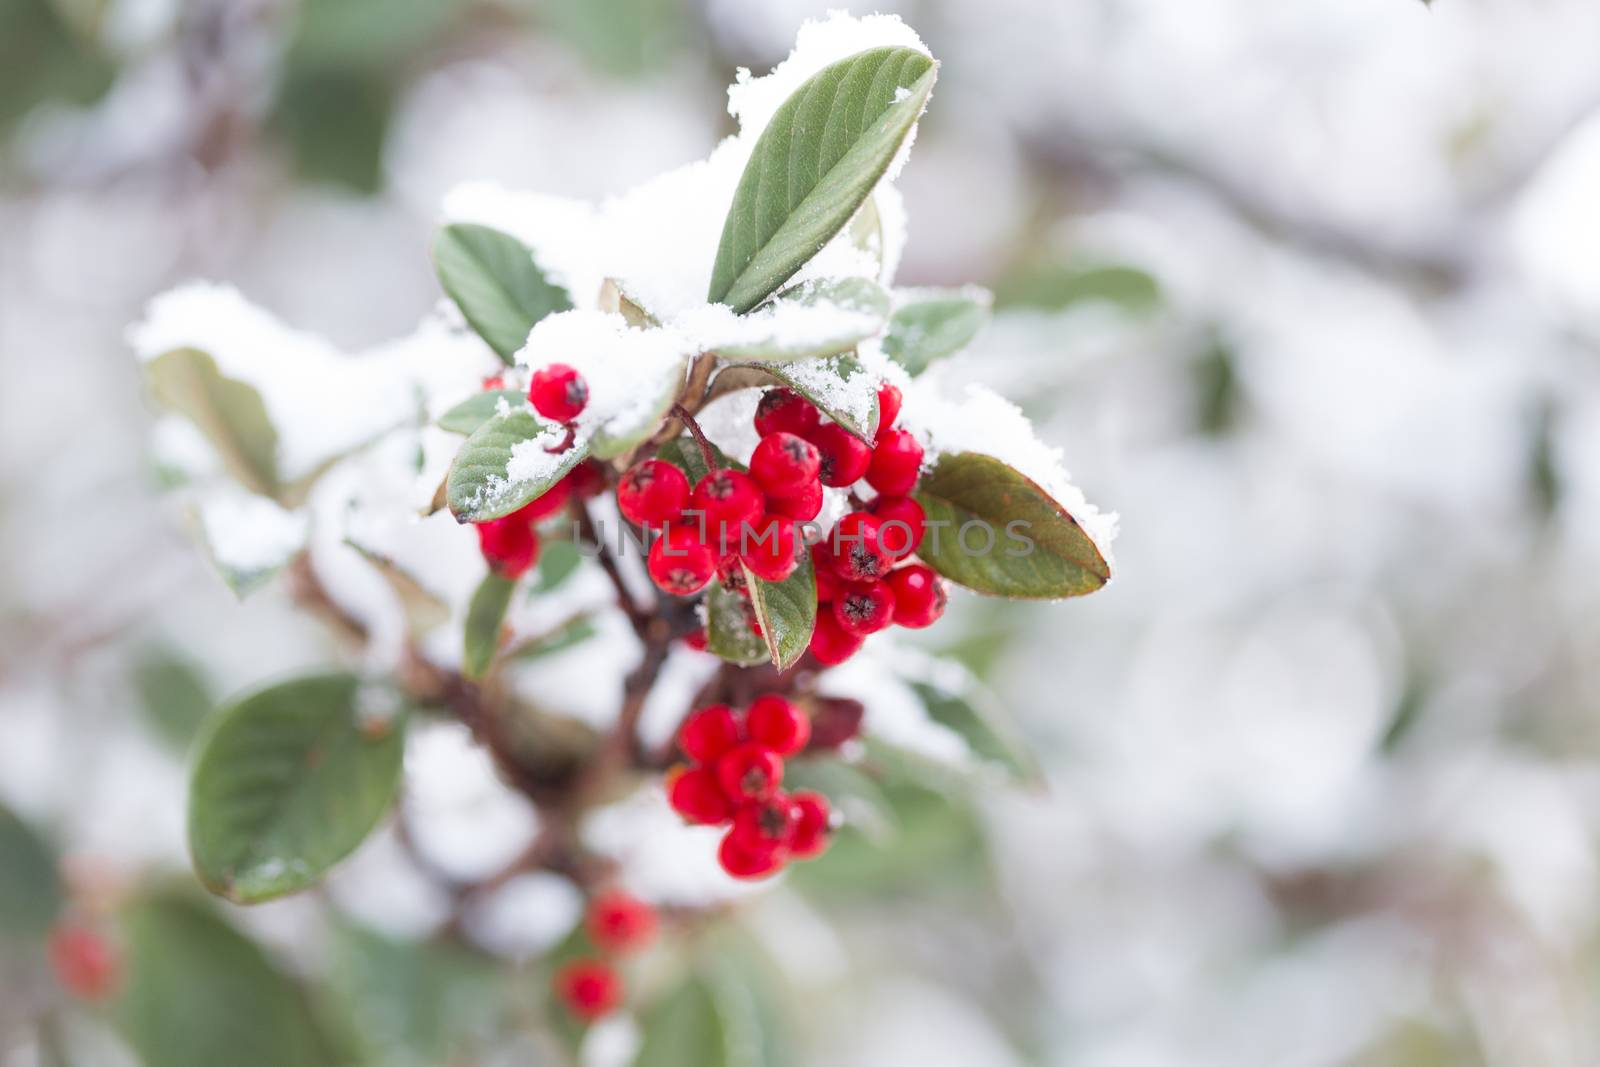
x,y
617,923
736,769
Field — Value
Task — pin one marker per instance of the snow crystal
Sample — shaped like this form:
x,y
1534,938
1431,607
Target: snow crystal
x,y
248,533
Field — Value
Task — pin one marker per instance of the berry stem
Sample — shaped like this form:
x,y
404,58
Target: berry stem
x,y
708,453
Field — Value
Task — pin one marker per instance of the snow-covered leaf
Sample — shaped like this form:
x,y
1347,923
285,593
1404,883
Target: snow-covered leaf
x,y
249,538
728,632
821,318
812,167
495,282
485,616
229,412
839,386
287,782
787,612
479,408
1000,534
935,323
505,464
620,435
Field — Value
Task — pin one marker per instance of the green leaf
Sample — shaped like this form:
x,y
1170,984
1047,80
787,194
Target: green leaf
x,y
336,123
728,633
198,994
977,717
287,783
787,612
1038,551
229,413
479,487
573,633
1056,287
495,282
839,386
685,452
815,319
934,324
30,888
174,696
814,164
722,1015
478,409
485,615
558,562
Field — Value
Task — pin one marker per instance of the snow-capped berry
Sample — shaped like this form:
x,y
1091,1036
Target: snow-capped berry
x,y
810,820
680,563
785,411
858,550
830,644
919,595
772,549
901,524
509,544
776,723
845,457
742,862
620,922
764,826
828,582
802,506
895,462
546,504
784,463
588,988
728,500
749,772
84,962
888,408
696,795
835,720
558,392
652,492
706,734
864,607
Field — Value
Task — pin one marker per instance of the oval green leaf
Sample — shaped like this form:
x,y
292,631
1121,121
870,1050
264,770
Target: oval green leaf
x,y
812,167
495,282
485,615
230,414
787,612
480,487
287,783
1020,542
728,633
478,409
935,323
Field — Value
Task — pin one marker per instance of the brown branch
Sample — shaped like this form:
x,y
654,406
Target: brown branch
x,y
638,617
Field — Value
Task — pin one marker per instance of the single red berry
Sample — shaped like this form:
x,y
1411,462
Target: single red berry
x,y
509,544
697,639
864,607
587,479
620,922
653,492
810,835
696,796
730,572
494,381
764,826
901,524
919,595
830,643
828,581
84,962
785,463
835,720
749,772
706,734
680,563
545,504
845,457
858,550
802,506
778,724
727,501
772,549
744,863
895,463
558,392
888,408
786,411
589,989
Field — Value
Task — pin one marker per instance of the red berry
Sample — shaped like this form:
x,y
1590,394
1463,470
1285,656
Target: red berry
x,y
696,796
895,463
784,410
588,988
653,492
864,607
620,922
697,639
830,644
708,733
834,721
749,772
858,550
802,506
558,392
778,724
772,549
764,826
901,524
680,563
509,544
810,835
828,583
728,501
85,963
844,456
587,479
888,408
546,504
919,595
494,381
731,573
744,863
785,463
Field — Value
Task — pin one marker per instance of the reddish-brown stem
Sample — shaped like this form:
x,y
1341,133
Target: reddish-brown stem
x,y
707,452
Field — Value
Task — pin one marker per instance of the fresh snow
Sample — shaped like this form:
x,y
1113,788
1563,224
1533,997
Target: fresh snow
x,y
249,534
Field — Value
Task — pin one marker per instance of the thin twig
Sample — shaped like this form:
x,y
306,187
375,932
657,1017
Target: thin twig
x,y
707,451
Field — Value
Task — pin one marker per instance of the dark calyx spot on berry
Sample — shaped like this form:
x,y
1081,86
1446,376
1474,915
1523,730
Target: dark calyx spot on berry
x,y
577,391
754,781
774,821
866,562
796,449
860,607
720,486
